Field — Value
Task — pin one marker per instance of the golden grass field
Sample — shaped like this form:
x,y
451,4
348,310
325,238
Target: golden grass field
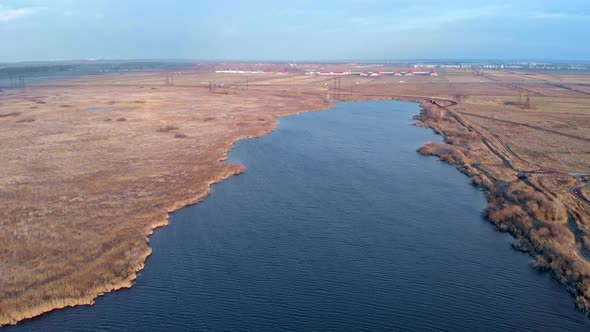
x,y
81,191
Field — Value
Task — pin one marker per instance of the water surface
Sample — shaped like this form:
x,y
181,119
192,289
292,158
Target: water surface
x,y
337,225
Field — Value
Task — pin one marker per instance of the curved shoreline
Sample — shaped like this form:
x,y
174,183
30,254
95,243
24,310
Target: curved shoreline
x,y
127,282
550,240
7,319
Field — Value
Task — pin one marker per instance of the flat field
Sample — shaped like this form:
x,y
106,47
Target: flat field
x,y
91,165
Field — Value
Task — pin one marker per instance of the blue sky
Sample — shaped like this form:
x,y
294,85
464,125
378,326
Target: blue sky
x,y
304,30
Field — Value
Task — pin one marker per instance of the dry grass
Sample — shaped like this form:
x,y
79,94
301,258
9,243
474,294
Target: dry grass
x,y
166,129
83,191
80,191
10,114
539,211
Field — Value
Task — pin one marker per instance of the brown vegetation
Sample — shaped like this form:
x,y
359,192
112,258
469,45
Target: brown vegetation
x,y
547,221
83,192
80,193
10,114
24,120
166,129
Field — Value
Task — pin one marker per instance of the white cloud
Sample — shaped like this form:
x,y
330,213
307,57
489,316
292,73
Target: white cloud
x,y
421,18
424,18
9,14
558,16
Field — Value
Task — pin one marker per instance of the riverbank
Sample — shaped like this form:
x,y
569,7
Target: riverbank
x,y
82,191
64,246
534,205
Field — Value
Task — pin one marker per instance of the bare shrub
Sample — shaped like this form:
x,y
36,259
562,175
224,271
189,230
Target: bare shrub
x,y
427,150
446,152
121,119
502,214
554,231
180,135
541,263
583,303
10,114
453,156
537,204
166,129
24,120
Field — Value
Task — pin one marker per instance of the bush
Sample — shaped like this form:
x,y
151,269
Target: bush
x,y
537,204
166,129
504,213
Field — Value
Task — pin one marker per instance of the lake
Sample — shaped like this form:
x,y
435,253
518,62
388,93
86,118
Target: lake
x,y
338,224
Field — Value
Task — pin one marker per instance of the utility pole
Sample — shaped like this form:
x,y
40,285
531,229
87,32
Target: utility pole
x,y
337,86
169,78
524,100
17,82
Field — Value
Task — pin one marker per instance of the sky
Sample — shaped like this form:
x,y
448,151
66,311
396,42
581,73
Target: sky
x,y
32,30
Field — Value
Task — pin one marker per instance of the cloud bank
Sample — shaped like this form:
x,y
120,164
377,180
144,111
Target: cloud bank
x,y
9,14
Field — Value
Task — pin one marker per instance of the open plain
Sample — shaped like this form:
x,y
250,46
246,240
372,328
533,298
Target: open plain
x,y
91,165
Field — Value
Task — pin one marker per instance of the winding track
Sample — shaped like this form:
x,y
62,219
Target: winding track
x,y
576,191
584,139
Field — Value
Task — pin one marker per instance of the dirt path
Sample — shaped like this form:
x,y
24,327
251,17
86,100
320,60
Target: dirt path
x,y
528,126
576,191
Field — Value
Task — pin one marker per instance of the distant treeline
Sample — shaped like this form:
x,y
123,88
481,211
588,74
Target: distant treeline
x,y
33,70
23,74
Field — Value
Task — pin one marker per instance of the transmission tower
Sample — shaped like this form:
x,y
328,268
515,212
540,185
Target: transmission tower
x,y
524,100
17,82
169,79
337,86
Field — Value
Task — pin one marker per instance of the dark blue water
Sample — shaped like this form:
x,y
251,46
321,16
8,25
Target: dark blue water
x,y
337,225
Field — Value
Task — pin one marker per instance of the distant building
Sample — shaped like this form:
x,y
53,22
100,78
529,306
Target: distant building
x,y
334,73
238,72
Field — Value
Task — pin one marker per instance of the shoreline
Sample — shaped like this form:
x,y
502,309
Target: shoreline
x,y
478,178
554,242
139,264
